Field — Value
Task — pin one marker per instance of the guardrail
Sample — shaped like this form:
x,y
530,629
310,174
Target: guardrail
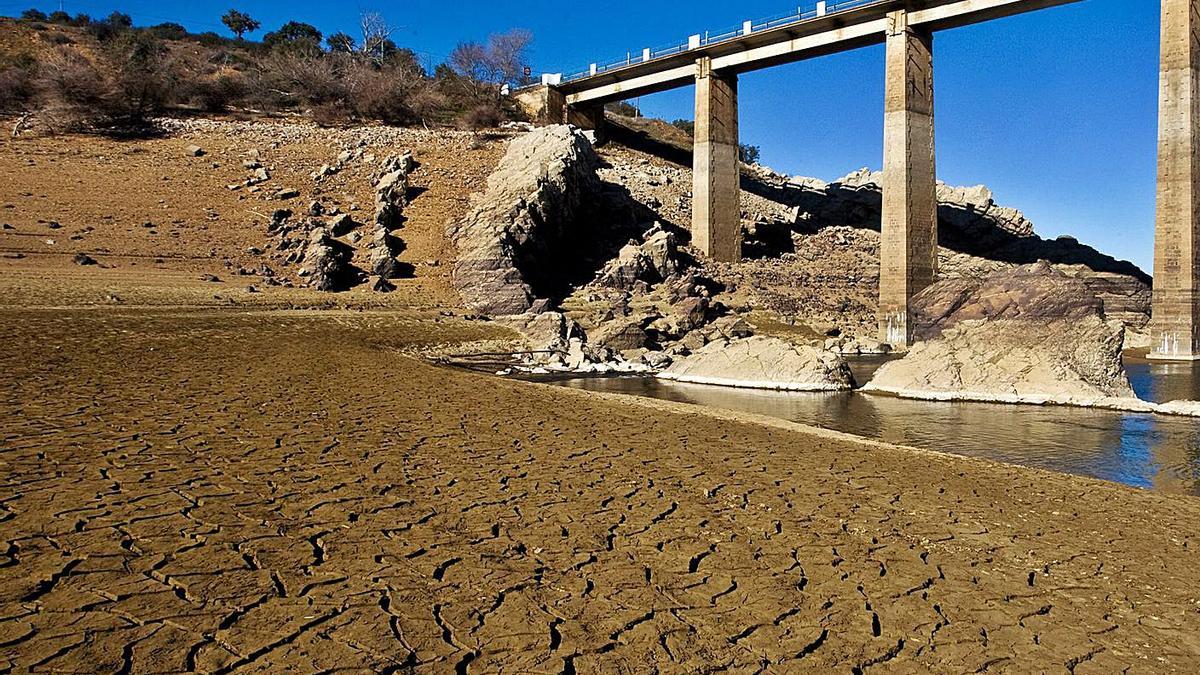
x,y
707,39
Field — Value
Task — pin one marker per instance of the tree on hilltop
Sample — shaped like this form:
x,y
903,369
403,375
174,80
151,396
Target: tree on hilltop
x,y
295,35
240,23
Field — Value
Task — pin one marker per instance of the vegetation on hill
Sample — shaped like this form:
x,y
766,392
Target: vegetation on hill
x,y
79,73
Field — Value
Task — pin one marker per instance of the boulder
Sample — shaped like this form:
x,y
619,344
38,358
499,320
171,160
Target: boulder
x,y
763,363
1060,361
327,263
549,330
622,334
653,260
537,203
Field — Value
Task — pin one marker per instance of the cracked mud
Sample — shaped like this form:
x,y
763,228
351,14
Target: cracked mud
x,y
219,492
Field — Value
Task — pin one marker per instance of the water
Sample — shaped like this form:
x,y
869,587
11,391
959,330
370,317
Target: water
x,y
1145,451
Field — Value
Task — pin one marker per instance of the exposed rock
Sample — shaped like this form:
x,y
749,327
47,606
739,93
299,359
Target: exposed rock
x,y
1181,408
733,327
327,263
651,261
382,285
1036,291
763,363
391,192
621,334
340,226
1062,361
537,200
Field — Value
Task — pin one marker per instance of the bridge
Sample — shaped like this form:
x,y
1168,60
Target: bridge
x,y
908,256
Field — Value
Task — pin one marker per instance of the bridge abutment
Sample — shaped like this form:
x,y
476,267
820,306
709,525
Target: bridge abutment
x,y
908,253
716,193
1176,317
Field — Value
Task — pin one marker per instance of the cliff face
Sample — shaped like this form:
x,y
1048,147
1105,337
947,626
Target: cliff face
x,y
511,245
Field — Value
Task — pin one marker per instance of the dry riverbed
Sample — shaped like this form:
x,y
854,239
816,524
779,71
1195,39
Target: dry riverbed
x,y
213,489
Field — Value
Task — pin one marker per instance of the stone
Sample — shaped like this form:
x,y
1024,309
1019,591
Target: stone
x,y
340,226
621,334
763,363
690,313
382,285
287,193
194,151
657,360
652,261
84,259
1040,361
327,263
538,202
733,327
548,330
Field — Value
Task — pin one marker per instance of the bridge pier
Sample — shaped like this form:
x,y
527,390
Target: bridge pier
x,y
716,190
590,118
1176,317
908,252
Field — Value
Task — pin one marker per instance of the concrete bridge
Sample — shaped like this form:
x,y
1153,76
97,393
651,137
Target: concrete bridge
x,y
909,224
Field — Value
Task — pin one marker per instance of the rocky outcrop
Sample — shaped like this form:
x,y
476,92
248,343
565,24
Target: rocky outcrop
x,y
510,244
1030,292
1029,334
1059,361
763,363
391,196
327,263
653,260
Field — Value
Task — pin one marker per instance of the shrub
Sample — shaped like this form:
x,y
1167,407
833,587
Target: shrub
x,y
16,87
168,31
483,116
34,15
217,93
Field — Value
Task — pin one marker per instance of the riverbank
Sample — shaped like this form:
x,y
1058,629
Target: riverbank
x,y
288,489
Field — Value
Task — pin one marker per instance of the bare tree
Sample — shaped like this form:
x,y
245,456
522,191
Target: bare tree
x,y
376,37
487,68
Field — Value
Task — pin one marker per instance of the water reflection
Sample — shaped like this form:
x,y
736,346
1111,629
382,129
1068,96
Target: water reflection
x,y
1146,451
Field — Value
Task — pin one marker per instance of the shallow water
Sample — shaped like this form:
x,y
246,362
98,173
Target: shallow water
x,y
1145,451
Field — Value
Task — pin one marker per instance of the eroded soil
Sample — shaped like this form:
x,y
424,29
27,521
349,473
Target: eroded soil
x,y
223,491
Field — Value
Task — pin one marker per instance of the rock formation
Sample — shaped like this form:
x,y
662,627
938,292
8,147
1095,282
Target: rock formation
x,y
327,263
511,243
1067,362
1031,334
763,363
1029,292
391,196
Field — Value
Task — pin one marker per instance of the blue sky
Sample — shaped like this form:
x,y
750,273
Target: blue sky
x,y
1054,110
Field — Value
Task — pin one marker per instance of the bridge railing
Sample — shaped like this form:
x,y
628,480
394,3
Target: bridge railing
x,y
706,39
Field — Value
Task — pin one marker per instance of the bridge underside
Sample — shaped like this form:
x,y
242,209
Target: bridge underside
x,y
909,223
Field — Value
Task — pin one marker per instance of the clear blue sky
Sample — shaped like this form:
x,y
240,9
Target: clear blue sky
x,y
1054,110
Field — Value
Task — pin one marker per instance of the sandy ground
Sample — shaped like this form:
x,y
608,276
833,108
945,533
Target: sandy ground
x,y
200,478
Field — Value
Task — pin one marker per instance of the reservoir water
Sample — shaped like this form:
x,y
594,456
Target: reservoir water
x,y
1146,451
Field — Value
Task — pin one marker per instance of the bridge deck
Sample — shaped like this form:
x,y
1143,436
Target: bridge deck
x,y
841,29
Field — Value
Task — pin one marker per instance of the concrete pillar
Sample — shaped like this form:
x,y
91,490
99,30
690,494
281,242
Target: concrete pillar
x,y
543,104
589,118
908,255
1176,321
716,199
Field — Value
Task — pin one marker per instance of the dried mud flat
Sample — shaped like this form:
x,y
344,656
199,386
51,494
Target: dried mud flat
x,y
225,491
